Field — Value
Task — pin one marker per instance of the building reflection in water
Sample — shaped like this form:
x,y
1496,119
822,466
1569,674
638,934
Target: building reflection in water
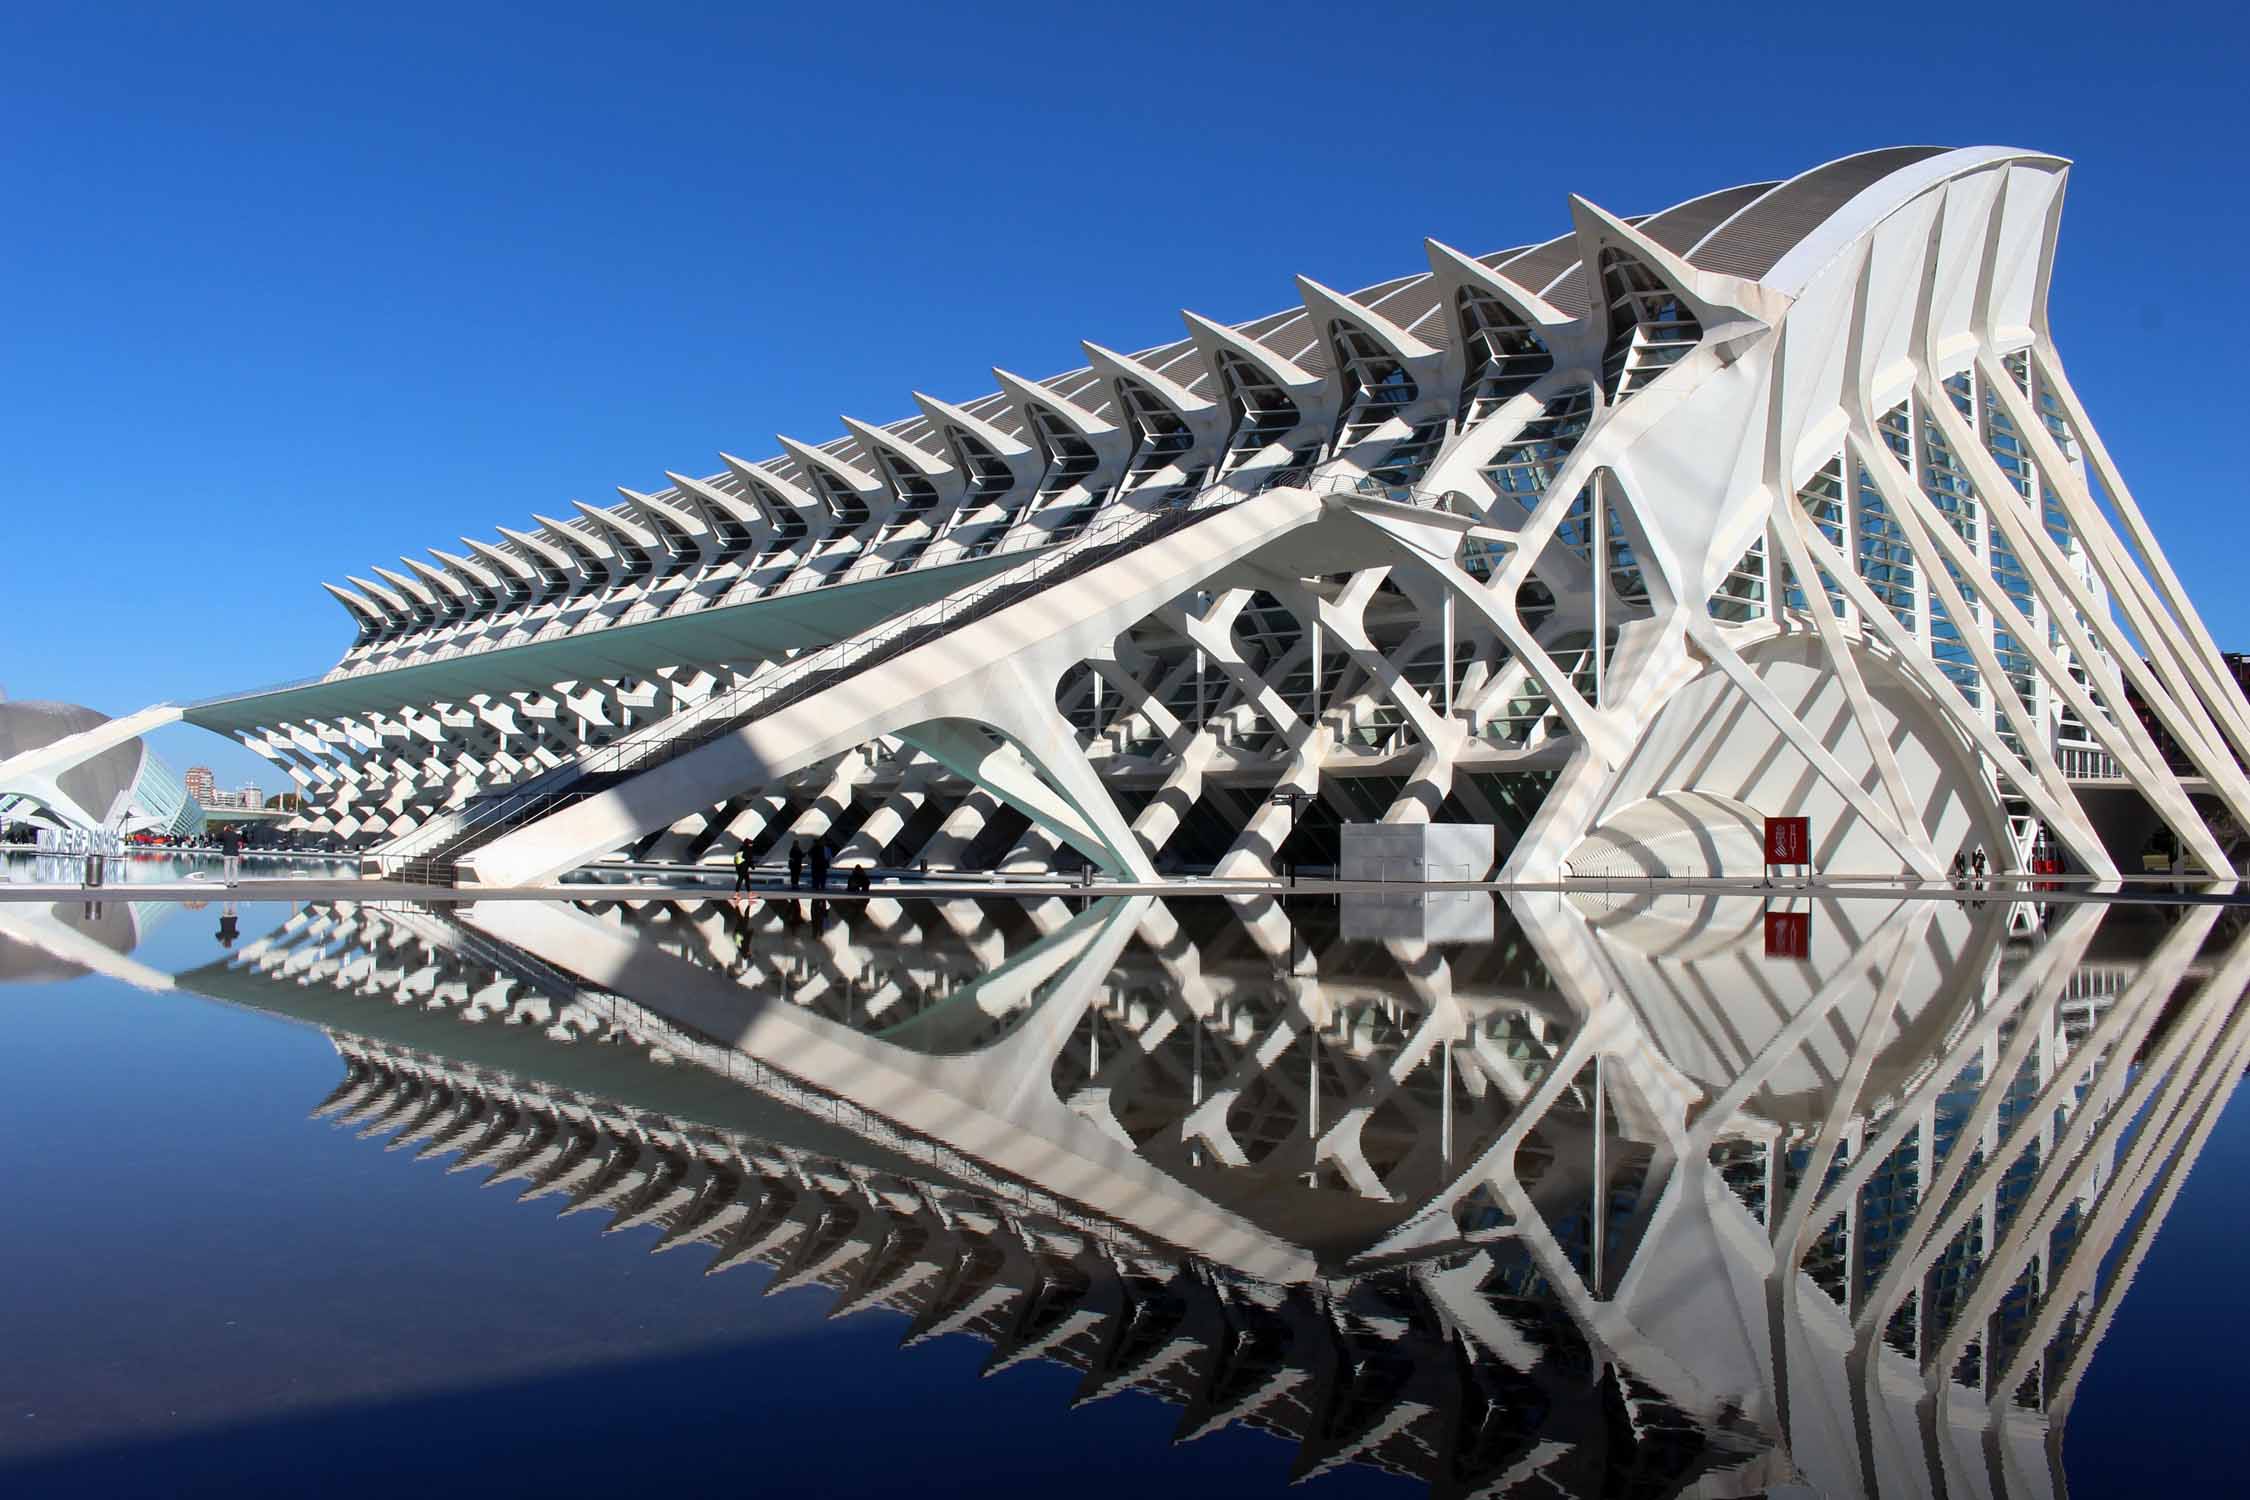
x,y
47,941
1605,1201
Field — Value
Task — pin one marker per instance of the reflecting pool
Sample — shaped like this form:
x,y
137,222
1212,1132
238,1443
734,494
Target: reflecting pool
x,y
1577,1194
151,866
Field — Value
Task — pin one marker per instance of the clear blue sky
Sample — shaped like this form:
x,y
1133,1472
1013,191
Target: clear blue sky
x,y
284,293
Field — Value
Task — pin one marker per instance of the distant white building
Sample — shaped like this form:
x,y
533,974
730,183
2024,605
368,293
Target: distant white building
x,y
245,798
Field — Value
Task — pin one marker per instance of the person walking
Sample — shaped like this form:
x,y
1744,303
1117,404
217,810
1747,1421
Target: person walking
x,y
1976,867
230,845
1960,868
742,867
820,866
796,865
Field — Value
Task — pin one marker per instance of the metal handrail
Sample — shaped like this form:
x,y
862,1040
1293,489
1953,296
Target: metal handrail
x,y
2088,763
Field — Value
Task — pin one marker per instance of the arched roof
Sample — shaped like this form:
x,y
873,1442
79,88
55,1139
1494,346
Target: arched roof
x,y
1846,199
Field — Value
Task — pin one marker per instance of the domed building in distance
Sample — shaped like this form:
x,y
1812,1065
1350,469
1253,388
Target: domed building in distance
x,y
47,778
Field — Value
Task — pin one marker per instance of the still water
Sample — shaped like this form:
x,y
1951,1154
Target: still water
x,y
1558,1195
19,866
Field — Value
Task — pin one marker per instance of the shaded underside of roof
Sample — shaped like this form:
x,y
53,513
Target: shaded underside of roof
x,y
1748,244
752,631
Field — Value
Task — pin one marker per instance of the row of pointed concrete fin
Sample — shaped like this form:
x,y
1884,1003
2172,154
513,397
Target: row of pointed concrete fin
x,y
1378,367
1294,386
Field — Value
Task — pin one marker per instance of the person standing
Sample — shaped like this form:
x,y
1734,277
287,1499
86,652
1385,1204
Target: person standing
x,y
1977,867
738,927
796,865
820,866
230,845
742,867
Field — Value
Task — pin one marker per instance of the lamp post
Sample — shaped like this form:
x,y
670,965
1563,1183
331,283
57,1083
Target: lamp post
x,y
1290,798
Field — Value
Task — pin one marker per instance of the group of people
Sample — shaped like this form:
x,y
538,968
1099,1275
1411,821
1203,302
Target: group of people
x,y
1969,867
817,857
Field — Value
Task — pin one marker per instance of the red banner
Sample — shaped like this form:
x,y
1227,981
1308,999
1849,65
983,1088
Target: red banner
x,y
1788,934
1788,841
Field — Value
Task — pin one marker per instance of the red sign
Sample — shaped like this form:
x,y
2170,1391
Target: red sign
x,y
1788,841
1788,934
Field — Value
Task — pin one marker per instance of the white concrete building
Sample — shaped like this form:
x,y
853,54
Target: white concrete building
x,y
1778,501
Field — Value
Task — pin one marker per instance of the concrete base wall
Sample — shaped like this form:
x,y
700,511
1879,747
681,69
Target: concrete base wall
x,y
1416,851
